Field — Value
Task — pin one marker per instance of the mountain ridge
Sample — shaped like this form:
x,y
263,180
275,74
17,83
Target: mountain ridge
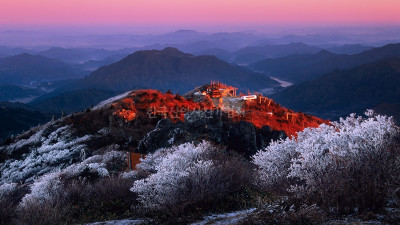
x,y
344,91
299,68
172,69
26,68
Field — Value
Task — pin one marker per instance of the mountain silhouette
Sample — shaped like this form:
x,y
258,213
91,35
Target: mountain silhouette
x,y
25,68
345,91
302,67
172,69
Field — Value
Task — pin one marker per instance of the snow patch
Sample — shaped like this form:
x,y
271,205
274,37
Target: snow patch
x,y
111,100
119,222
225,218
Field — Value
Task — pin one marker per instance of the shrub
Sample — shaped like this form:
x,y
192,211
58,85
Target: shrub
x,y
42,213
187,175
352,164
79,200
274,163
85,192
10,195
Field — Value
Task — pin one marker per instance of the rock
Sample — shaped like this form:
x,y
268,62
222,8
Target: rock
x,y
157,138
163,123
266,135
242,138
175,135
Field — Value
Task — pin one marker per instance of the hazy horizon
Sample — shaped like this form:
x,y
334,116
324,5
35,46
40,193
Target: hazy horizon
x,y
129,23
131,36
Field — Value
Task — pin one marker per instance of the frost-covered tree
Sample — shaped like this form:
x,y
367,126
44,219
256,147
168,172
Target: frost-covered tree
x,y
349,164
49,187
185,174
56,196
164,187
47,152
274,163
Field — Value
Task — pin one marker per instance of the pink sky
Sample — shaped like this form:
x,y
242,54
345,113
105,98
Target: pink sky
x,y
199,12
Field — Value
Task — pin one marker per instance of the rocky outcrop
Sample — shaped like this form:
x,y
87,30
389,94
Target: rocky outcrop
x,y
214,126
242,138
265,135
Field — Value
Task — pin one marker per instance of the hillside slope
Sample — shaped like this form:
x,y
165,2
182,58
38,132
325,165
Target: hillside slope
x,y
346,91
15,118
144,121
392,109
72,101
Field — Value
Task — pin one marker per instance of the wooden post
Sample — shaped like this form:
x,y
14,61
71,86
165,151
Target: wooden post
x,y
129,161
269,102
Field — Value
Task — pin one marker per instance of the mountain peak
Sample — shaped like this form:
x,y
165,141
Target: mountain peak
x,y
25,58
24,55
255,109
324,52
298,44
186,32
171,51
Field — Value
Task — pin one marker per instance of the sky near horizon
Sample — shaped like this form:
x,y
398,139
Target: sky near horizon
x,y
199,12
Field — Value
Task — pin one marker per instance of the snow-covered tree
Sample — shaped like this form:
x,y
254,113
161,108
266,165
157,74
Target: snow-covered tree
x,y
53,151
164,187
50,186
6,189
185,174
274,163
341,164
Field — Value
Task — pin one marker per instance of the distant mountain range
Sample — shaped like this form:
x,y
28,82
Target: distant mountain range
x,y
239,48
253,54
75,55
259,50
239,54
172,69
303,67
345,91
26,69
6,51
349,49
83,55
